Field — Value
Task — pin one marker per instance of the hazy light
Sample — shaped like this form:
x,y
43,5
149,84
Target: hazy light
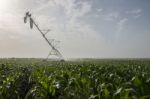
x,y
4,5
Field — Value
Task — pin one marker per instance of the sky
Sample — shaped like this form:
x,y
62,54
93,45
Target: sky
x,y
84,28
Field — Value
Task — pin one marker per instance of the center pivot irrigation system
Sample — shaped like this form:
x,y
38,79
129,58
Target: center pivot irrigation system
x,y
54,51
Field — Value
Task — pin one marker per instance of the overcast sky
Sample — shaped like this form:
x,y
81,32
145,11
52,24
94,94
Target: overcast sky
x,y
85,28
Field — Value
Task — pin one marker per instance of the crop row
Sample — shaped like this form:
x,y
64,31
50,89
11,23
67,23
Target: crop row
x,y
75,80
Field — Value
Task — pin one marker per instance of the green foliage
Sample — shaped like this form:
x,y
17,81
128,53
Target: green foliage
x,y
89,79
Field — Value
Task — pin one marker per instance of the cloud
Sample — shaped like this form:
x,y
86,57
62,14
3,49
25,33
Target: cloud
x,y
98,13
121,24
112,16
100,10
135,13
71,14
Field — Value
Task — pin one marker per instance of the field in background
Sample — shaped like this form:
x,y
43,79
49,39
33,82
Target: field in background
x,y
75,79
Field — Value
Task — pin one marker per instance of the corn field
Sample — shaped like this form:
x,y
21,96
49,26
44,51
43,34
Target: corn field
x,y
80,79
